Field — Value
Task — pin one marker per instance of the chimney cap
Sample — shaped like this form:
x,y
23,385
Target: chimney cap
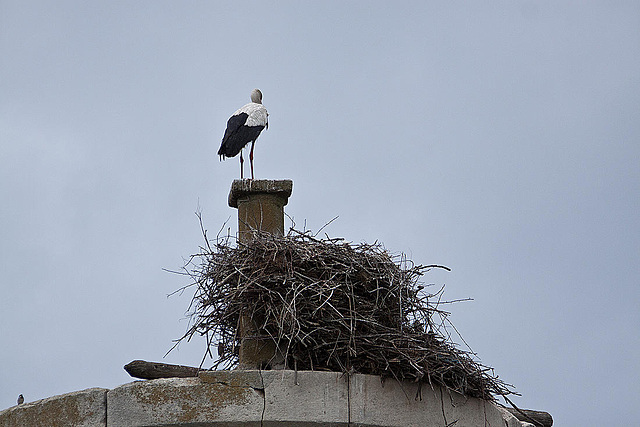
x,y
241,188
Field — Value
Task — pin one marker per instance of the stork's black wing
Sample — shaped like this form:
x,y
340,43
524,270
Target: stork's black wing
x,y
238,134
232,142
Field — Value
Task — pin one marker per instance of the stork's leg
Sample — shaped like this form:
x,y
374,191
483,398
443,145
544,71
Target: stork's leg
x,y
251,157
241,162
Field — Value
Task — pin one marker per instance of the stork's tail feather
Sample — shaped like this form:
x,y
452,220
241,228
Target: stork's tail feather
x,y
222,152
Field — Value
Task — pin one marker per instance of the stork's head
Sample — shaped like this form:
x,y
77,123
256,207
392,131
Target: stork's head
x,y
256,96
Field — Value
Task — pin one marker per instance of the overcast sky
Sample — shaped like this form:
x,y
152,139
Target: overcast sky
x,y
500,138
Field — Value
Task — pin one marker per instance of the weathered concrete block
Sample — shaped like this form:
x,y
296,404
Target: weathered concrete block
x,y
183,402
86,408
390,403
306,398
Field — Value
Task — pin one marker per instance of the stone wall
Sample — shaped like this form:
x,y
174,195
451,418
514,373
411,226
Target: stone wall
x,y
260,398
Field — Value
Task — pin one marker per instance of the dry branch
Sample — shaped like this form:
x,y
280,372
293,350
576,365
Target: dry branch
x,y
153,370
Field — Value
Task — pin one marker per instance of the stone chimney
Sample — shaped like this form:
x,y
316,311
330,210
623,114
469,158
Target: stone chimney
x,y
260,205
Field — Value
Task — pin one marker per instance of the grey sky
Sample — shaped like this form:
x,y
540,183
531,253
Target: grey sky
x,y
501,139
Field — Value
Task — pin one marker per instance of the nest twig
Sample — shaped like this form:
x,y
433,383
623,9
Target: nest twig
x,y
331,305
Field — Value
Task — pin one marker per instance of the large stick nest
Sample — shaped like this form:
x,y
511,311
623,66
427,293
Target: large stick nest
x,y
330,305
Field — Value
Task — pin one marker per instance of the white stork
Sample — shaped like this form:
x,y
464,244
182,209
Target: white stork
x,y
243,127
